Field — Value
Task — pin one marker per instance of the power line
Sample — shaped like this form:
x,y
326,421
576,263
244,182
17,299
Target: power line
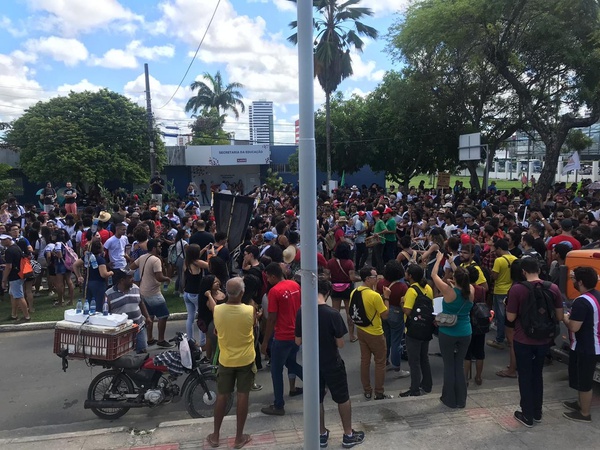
x,y
195,54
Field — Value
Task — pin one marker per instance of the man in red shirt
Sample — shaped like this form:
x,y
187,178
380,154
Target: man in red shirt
x,y
284,303
565,236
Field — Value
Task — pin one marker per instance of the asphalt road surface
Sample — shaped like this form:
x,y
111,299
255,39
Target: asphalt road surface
x,y
38,398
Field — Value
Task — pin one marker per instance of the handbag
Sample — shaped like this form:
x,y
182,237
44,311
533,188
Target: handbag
x,y
340,287
448,320
395,313
372,241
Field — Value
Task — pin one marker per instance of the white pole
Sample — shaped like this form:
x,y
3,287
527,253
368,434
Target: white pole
x,y
308,224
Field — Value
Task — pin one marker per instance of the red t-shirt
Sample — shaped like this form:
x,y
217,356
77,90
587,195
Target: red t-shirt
x,y
563,238
398,290
337,274
285,300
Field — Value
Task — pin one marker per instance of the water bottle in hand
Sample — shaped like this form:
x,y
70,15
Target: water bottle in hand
x,y
93,306
86,307
93,262
79,307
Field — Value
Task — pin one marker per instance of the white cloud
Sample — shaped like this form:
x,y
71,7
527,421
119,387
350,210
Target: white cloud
x,y
284,5
83,85
382,7
365,70
68,51
72,17
6,24
18,89
127,58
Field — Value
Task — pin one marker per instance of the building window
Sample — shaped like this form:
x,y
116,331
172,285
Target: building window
x,y
280,168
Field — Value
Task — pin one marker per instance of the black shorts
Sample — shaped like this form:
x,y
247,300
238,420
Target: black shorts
x,y
335,379
344,295
476,348
581,371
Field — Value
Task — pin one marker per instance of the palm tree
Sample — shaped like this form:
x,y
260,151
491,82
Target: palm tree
x,y
214,97
338,29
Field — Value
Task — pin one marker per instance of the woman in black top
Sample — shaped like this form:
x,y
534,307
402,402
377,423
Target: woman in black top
x,y
192,277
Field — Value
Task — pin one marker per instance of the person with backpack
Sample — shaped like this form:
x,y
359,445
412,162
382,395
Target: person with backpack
x,y
11,280
536,307
502,283
583,323
480,324
454,339
367,309
418,316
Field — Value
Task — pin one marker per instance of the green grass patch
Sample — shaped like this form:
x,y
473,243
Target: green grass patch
x,y
45,310
500,184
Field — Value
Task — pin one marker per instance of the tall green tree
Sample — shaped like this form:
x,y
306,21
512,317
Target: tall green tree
x,y
215,95
89,137
207,129
338,29
546,51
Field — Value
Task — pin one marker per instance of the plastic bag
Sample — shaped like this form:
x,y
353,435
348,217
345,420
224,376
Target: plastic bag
x,y
186,354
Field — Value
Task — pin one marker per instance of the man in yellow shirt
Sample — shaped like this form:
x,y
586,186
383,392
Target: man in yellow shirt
x,y
370,335
501,274
234,326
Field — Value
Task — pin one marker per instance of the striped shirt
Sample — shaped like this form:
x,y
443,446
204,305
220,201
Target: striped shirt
x,y
126,303
586,309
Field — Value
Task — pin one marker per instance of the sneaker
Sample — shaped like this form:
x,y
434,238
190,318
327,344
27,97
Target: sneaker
x,y
350,441
204,360
573,406
382,396
323,438
495,344
537,419
256,387
521,418
403,373
272,411
164,344
577,416
410,393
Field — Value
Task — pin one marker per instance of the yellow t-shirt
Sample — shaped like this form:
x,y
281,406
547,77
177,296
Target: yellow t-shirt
x,y
502,268
235,330
411,296
374,306
481,279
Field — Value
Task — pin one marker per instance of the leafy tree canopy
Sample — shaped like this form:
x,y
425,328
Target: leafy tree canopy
x,y
207,129
85,137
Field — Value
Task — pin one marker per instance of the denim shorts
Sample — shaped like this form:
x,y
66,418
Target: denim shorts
x,y
157,306
15,288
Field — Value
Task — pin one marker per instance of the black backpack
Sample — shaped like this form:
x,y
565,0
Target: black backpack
x,y
538,315
357,311
480,318
419,324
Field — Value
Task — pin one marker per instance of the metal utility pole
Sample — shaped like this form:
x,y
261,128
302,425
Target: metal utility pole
x,y
308,222
150,122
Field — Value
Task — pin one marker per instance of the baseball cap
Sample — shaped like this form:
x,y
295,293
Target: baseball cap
x,y
448,205
290,213
5,236
119,274
362,213
269,236
375,213
388,210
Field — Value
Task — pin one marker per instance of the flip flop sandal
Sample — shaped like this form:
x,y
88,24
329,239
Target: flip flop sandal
x,y
504,374
246,438
354,339
211,441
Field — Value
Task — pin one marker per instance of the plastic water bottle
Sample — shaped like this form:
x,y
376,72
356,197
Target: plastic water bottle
x,y
95,226
86,307
105,308
79,307
93,306
93,262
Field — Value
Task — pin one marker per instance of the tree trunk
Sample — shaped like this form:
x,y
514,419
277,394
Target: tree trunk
x,y
548,175
474,178
328,136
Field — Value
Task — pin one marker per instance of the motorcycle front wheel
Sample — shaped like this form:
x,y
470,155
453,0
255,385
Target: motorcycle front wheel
x,y
109,383
201,397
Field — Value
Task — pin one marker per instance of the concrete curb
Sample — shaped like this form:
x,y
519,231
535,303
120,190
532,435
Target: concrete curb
x,y
51,437
34,326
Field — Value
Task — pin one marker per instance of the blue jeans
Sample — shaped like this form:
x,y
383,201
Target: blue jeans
x,y
141,340
500,315
530,363
178,284
97,290
283,353
191,305
393,330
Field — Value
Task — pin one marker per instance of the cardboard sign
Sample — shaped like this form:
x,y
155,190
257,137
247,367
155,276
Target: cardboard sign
x,y
443,180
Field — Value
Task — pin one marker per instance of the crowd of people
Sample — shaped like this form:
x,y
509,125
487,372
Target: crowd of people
x,y
383,254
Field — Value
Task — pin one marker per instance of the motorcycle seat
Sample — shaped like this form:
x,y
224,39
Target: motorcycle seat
x,y
132,361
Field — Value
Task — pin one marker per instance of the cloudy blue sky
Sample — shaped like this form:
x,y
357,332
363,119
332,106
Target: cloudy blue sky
x,y
50,47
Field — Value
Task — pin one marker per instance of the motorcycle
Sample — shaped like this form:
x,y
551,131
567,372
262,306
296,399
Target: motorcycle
x,y
134,381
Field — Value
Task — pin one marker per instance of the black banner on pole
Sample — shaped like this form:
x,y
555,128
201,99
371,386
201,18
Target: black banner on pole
x,y
232,216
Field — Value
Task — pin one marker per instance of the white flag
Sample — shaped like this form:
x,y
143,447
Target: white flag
x,y
572,164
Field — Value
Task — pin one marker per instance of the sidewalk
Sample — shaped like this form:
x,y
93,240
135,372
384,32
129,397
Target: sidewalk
x,y
414,423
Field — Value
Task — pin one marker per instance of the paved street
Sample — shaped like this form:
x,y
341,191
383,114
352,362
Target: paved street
x,y
43,400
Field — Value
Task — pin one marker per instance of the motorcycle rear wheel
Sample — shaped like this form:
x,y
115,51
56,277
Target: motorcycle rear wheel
x,y
200,401
99,387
